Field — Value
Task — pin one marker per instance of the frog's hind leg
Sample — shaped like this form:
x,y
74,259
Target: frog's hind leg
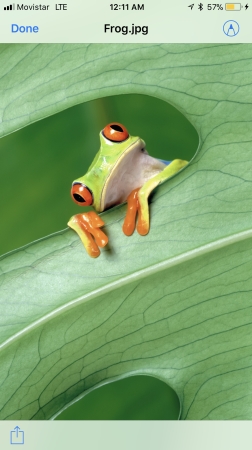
x,y
143,223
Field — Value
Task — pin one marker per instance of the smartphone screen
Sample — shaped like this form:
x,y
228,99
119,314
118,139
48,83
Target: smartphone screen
x,y
125,179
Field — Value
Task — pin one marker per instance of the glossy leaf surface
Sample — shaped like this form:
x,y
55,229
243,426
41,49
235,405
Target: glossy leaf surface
x,y
175,304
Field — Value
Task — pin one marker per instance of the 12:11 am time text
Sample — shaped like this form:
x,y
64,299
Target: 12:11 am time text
x,y
127,7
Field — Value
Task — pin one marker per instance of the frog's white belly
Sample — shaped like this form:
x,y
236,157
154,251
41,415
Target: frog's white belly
x,y
132,172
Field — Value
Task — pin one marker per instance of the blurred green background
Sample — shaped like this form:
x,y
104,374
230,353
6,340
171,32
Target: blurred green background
x,y
38,164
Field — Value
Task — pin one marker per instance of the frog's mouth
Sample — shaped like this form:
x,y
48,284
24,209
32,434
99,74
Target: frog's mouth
x,y
133,168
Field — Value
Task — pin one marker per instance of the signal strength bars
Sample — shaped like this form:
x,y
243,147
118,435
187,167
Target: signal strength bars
x,y
10,7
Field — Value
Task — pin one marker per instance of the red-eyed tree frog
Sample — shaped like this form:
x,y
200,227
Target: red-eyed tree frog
x,y
122,171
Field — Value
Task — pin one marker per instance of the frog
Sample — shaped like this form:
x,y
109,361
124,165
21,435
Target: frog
x,y
122,171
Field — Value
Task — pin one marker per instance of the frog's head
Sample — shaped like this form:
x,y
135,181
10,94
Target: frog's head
x,y
103,184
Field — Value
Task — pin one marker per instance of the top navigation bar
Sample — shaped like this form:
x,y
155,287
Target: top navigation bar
x,y
144,22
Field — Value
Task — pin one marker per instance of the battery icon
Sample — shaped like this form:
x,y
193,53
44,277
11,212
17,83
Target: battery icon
x,y
233,6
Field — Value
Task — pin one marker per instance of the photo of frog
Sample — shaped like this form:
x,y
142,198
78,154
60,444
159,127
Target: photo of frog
x,y
169,296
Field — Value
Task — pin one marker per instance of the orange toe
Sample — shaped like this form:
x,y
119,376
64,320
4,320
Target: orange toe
x,y
132,208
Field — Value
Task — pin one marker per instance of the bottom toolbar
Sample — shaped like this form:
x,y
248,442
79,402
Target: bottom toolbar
x,y
134,435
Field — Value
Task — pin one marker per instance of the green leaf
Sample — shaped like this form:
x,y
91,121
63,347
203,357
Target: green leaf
x,y
176,303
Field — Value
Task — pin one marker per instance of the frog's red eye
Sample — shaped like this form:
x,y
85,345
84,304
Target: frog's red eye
x,y
81,194
115,132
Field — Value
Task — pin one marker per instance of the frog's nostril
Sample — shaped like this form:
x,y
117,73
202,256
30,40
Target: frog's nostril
x,y
81,194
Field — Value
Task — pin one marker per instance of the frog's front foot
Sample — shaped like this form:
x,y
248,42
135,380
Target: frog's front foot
x,y
88,226
137,204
